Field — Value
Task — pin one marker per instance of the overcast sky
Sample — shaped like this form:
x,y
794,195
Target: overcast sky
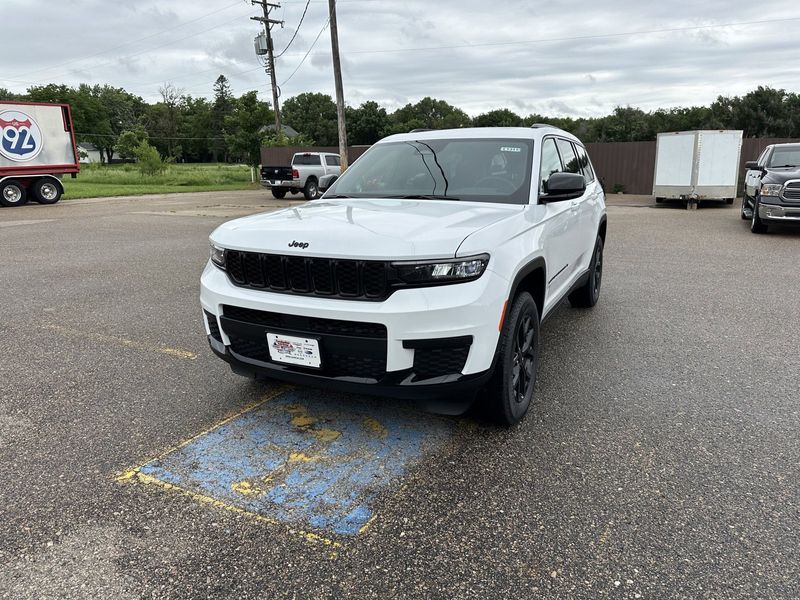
x,y
478,55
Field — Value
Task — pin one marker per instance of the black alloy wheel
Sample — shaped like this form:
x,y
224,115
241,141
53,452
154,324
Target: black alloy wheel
x,y
588,294
510,392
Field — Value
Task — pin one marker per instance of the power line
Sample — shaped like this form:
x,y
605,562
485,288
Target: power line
x,y
328,20
296,30
154,137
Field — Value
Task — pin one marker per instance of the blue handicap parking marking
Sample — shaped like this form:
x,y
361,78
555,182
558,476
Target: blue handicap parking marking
x,y
308,458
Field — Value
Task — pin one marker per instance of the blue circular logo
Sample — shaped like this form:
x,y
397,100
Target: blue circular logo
x,y
20,136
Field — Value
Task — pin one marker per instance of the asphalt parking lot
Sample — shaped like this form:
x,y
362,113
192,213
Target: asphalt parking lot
x,y
662,458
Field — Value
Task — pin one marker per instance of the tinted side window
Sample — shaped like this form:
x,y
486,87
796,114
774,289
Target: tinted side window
x,y
762,160
586,166
306,159
568,157
332,161
551,162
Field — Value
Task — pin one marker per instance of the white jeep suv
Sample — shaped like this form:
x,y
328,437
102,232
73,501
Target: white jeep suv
x,y
423,272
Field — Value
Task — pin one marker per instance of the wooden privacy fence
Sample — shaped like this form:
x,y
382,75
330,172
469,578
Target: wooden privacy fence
x,y
626,165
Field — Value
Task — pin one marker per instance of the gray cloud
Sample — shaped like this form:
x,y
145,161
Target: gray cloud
x,y
462,51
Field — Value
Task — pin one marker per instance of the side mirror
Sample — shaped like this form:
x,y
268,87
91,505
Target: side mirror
x,y
326,181
564,186
752,165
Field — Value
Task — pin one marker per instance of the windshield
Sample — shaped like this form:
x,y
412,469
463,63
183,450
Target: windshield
x,y
475,170
785,157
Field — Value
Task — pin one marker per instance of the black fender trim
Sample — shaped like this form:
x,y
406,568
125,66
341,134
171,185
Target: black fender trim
x,y
536,263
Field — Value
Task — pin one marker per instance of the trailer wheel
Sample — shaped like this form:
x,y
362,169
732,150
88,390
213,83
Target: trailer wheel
x,y
47,191
12,193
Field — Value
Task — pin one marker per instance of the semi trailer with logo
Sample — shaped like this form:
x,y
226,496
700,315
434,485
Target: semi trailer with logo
x,y
37,148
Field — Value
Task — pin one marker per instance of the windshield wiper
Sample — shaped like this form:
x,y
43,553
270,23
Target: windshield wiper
x,y
424,197
339,197
783,167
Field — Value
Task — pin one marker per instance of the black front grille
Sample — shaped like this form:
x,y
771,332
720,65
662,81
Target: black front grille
x,y
436,362
348,348
352,279
213,326
311,325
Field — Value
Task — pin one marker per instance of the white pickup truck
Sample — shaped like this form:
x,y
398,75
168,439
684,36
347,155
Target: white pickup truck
x,y
305,173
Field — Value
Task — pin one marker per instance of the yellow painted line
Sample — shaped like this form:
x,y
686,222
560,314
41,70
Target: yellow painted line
x,y
125,475
150,480
120,341
366,525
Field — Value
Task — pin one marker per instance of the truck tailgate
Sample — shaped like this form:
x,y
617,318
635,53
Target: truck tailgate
x,y
276,173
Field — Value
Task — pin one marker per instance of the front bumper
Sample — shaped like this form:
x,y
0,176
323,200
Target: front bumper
x,y
420,341
779,212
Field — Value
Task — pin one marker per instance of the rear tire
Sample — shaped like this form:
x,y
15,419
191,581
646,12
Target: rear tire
x,y
511,389
588,294
47,191
311,190
279,193
728,200
12,193
756,224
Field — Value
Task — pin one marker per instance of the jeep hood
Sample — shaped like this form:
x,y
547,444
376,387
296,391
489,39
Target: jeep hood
x,y
364,228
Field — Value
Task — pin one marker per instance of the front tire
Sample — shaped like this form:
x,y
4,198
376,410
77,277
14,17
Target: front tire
x,y
744,207
47,191
12,193
279,193
756,224
511,390
311,190
588,294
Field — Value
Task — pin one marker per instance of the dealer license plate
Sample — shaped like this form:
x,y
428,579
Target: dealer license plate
x,y
292,350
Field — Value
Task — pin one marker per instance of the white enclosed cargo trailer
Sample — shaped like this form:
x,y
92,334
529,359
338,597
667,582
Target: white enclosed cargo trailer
x,y
697,165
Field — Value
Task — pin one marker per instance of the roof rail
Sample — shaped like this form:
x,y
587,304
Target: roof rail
x,y
420,130
539,125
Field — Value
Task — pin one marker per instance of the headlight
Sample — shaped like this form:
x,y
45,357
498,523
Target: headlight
x,y
218,256
771,189
441,271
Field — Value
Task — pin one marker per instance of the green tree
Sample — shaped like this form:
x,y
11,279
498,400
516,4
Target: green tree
x,y
314,116
8,95
149,160
122,111
164,120
197,130
247,127
220,109
428,113
366,124
129,141
502,117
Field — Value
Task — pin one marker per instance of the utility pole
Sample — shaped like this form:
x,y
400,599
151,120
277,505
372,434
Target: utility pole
x,y
266,6
337,75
